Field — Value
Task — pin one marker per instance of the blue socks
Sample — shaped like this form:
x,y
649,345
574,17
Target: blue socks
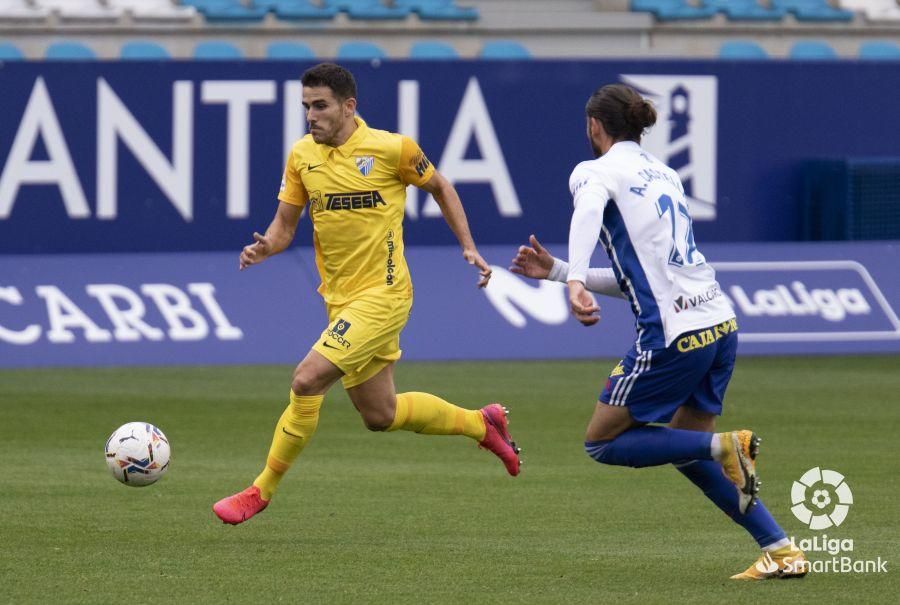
x,y
708,476
690,452
651,446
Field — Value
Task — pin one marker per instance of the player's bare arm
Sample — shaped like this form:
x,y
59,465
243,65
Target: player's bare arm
x,y
451,208
533,261
278,236
537,262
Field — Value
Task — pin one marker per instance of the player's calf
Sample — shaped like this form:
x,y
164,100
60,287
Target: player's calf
x,y
651,446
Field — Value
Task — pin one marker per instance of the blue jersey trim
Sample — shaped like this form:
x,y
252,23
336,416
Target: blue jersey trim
x,y
614,237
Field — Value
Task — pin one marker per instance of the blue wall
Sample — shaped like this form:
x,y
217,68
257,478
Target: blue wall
x,y
197,308
739,131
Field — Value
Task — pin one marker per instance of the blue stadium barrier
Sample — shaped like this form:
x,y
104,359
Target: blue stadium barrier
x,y
742,49
10,52
360,50
673,10
297,10
69,51
712,114
432,50
289,51
143,50
812,49
746,10
439,10
504,49
217,51
813,10
197,304
879,50
227,10
368,9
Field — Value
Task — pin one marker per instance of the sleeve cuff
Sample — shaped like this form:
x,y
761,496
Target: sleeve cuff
x,y
559,271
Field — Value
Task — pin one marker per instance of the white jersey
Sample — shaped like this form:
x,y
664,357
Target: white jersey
x,y
647,232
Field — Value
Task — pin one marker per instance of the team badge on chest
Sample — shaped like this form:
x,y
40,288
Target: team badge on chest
x,y
365,163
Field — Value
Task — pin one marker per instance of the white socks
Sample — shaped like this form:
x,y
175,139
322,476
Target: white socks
x,y
776,545
715,447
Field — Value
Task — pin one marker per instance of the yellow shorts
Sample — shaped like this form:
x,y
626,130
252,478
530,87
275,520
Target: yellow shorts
x,y
363,336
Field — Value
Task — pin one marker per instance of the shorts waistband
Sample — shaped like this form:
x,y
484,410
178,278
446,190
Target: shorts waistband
x,y
698,339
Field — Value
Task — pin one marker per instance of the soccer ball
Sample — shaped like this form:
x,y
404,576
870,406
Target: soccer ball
x,y
137,454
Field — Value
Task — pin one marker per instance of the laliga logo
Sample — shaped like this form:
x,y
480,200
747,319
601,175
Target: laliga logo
x,y
826,486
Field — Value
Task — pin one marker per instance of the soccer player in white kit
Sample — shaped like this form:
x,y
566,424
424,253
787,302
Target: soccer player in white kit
x,y
683,356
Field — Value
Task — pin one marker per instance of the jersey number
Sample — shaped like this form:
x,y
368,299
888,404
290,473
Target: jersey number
x,y
681,222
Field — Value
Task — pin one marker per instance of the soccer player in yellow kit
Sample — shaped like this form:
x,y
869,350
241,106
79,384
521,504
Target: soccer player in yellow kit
x,y
353,181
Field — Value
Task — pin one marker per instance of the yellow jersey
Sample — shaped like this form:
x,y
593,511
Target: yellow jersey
x,y
356,197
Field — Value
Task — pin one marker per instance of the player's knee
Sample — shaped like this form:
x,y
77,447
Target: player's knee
x,y
306,382
378,420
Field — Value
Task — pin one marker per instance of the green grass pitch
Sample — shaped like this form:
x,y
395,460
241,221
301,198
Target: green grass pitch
x,y
404,518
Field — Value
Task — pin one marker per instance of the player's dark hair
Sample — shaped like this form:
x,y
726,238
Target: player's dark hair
x,y
335,77
624,113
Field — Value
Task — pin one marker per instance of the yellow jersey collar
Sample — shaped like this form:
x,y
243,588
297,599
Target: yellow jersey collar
x,y
350,145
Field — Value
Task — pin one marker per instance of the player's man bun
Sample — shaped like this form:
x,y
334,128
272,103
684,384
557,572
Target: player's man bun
x,y
641,114
624,113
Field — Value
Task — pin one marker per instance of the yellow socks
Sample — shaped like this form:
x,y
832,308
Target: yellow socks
x,y
425,413
417,412
294,429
